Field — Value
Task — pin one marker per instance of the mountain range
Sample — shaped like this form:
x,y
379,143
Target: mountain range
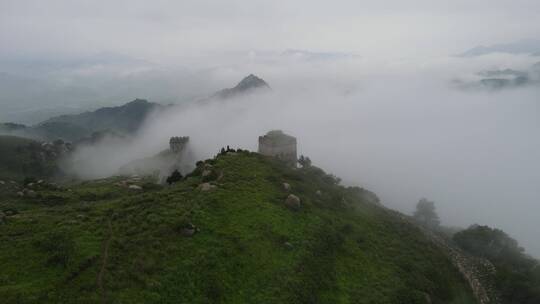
x,y
528,47
124,120
501,79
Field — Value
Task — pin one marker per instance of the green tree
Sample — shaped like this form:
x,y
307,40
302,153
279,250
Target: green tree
x,y
174,177
425,214
304,161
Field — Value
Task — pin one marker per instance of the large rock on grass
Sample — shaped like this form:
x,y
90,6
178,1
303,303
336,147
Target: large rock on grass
x,y
206,187
293,202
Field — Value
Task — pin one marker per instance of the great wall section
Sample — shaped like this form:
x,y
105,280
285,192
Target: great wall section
x,y
478,272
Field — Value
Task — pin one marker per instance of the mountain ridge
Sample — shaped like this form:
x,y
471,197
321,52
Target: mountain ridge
x,y
228,237
531,47
124,119
248,84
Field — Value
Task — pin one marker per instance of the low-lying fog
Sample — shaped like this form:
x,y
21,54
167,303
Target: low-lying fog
x,y
398,128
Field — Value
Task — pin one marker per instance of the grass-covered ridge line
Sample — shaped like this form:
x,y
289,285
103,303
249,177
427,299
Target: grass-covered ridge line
x,y
340,247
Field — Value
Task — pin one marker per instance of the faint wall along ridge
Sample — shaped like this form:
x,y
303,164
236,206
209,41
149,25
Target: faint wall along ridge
x,y
478,272
278,144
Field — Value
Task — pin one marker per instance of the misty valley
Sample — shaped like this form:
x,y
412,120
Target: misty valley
x,y
264,152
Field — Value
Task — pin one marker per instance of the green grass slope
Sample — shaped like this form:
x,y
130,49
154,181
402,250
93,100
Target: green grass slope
x,y
103,242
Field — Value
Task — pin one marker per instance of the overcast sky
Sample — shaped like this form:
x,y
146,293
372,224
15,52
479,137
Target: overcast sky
x,y
170,31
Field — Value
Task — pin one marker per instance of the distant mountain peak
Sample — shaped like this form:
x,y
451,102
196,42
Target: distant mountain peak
x,y
248,84
123,119
525,46
137,101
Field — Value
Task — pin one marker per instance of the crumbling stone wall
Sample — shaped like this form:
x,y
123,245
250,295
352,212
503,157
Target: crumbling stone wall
x,y
177,144
478,272
278,144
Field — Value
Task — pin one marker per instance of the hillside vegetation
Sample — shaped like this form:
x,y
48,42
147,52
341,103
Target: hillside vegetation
x,y
221,235
21,157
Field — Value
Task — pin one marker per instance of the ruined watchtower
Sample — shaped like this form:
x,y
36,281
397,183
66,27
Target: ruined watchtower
x,y
177,144
278,144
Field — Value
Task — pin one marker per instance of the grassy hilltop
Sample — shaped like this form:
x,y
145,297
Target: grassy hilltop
x,y
233,241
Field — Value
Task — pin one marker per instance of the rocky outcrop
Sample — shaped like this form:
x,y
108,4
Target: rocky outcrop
x,y
206,187
293,202
286,186
189,230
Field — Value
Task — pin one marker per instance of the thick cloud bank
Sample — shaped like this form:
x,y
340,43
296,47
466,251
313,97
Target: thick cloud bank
x,y
399,129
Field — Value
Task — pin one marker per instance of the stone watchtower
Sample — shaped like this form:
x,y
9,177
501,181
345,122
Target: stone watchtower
x,y
278,144
177,144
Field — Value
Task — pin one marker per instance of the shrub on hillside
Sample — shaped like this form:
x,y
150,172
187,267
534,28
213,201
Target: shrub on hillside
x,y
58,245
176,176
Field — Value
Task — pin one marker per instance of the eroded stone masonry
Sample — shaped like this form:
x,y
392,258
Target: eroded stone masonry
x,y
178,144
280,145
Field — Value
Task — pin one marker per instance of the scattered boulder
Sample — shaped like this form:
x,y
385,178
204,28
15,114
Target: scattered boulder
x,y
189,230
318,193
20,193
428,298
293,202
2,182
206,187
10,212
206,173
29,193
135,187
2,217
286,186
288,245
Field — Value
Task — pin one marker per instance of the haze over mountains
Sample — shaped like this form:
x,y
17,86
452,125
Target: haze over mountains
x,y
322,104
132,167
526,47
125,119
